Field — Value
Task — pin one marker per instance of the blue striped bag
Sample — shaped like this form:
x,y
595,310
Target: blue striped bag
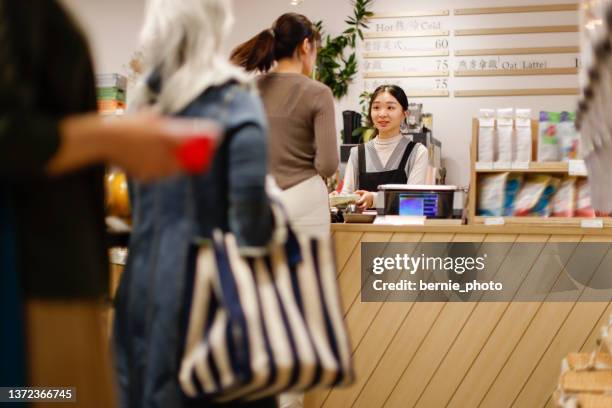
x,y
259,326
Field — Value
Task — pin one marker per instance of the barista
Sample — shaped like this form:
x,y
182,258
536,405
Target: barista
x,y
390,157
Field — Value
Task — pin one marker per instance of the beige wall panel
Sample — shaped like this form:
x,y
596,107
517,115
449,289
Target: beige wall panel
x,y
378,336
575,330
350,276
528,351
411,354
465,348
361,314
345,245
509,321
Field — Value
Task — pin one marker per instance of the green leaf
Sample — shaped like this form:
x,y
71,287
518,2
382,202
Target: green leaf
x,y
337,66
358,131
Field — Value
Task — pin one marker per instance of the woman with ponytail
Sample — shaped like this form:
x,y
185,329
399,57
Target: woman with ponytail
x,y
302,146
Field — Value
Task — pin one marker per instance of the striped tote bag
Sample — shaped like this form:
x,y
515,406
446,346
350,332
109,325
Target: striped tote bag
x,y
262,325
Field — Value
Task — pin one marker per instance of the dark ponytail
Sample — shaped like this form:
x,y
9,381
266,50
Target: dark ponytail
x,y
257,53
273,44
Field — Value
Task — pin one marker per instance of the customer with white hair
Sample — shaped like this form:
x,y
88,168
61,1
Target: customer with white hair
x,y
187,76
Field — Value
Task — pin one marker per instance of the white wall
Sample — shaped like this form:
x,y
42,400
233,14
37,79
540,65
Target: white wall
x,y
113,27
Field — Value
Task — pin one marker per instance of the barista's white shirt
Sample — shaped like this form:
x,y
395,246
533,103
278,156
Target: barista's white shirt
x,y
385,155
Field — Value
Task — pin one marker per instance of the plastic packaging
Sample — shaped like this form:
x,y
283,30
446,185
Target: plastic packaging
x,y
544,206
548,142
504,135
117,196
486,135
583,200
492,190
569,138
564,200
523,137
529,196
513,186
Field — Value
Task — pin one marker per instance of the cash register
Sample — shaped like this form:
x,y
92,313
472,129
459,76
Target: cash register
x,y
431,201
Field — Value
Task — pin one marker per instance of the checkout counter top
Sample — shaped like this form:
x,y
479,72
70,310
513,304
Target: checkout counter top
x,y
453,227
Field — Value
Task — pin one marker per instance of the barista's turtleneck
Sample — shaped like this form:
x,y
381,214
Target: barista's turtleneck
x,y
385,147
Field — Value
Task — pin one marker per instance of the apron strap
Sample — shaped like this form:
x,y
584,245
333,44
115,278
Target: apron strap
x,y
361,161
406,156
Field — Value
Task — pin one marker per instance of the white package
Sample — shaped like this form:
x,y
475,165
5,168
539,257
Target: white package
x,y
548,140
486,135
504,135
492,194
523,137
568,137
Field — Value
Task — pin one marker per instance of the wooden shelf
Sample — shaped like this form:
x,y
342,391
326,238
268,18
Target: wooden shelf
x,y
517,72
517,9
401,14
404,34
516,92
517,51
427,93
534,167
405,74
478,169
574,222
407,54
518,30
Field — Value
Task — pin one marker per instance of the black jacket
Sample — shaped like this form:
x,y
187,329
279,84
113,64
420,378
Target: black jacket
x,y
46,74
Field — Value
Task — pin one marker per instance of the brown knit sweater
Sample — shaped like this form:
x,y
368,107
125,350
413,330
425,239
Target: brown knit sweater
x,y
302,138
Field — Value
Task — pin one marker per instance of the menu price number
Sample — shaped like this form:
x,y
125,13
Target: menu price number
x,y
442,65
442,83
441,44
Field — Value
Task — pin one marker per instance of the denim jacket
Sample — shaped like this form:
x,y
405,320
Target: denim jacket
x,y
168,216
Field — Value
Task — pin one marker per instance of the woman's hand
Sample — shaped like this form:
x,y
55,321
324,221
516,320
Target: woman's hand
x,y
144,145
366,201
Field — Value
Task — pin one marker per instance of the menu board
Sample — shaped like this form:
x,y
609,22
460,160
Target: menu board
x,y
428,52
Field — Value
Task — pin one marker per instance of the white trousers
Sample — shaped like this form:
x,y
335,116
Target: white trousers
x,y
307,205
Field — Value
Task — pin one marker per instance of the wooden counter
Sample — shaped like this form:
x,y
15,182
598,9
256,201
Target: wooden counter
x,y
434,226
459,355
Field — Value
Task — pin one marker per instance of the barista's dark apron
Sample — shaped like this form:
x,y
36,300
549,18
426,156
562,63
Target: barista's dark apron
x,y
371,181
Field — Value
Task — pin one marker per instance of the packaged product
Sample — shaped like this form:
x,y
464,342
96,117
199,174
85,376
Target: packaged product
x,y
504,135
491,197
486,135
564,200
583,200
548,142
569,138
513,185
523,137
117,194
544,206
415,118
530,194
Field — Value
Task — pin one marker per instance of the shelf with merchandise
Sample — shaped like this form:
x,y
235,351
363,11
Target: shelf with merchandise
x,y
111,92
571,168
569,222
575,169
